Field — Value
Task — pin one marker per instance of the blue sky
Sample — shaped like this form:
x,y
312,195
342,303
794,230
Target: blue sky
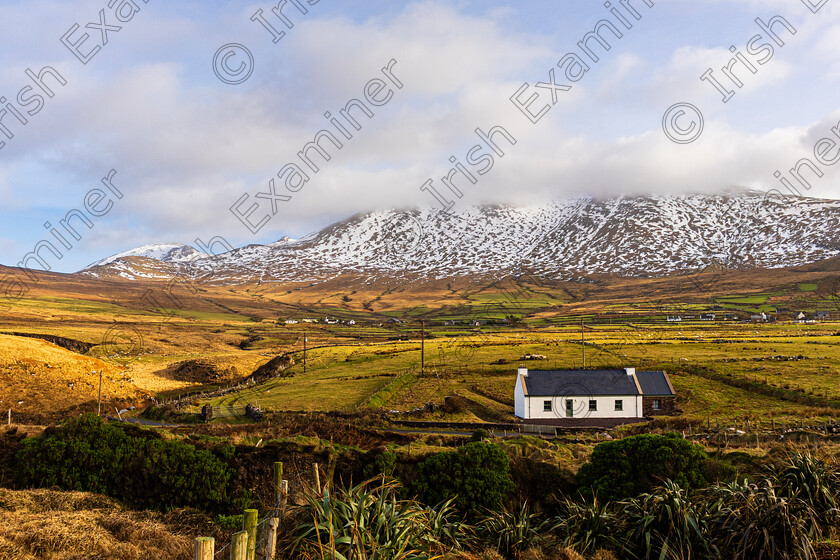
x,y
187,146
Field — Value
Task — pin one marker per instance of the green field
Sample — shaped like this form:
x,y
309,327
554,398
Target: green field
x,y
706,361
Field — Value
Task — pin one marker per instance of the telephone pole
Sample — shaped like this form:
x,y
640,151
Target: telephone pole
x,y
99,398
582,345
422,346
304,352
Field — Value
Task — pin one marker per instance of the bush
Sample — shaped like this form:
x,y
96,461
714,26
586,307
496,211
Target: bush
x,y
480,435
383,463
368,521
631,466
477,473
144,471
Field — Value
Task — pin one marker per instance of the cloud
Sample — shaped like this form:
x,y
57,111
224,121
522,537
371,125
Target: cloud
x,y
187,146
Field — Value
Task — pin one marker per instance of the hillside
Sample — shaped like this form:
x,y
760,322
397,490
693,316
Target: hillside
x,y
38,377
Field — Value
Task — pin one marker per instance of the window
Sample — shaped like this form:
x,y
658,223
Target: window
x,y
593,405
657,404
546,406
619,404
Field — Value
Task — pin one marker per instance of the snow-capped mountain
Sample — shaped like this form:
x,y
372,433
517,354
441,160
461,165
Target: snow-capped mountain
x,y
626,236
168,253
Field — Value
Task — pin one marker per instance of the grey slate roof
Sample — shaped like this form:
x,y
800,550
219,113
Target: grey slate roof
x,y
655,384
595,382
544,383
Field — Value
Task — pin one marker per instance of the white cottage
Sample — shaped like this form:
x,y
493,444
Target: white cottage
x,y
623,393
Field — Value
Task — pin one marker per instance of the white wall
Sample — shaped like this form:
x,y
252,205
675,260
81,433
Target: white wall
x,y
605,406
519,398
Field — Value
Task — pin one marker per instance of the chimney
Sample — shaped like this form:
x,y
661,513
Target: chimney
x,y
630,370
522,371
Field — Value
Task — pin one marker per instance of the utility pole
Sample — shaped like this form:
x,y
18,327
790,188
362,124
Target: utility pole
x,y
99,399
582,345
422,346
304,352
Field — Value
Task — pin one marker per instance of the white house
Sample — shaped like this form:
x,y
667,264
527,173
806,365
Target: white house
x,y
622,393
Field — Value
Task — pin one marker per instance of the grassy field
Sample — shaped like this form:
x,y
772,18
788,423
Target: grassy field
x,y
212,336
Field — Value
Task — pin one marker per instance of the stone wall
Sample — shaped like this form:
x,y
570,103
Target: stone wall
x,y
669,406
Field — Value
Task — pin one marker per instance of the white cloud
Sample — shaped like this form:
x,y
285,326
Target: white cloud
x,y
187,146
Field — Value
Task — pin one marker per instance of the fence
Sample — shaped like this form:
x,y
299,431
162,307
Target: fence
x,y
258,538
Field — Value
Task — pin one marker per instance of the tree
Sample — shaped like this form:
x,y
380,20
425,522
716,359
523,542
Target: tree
x,y
477,473
631,466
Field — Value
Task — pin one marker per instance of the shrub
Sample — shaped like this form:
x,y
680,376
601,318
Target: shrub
x,y
477,473
587,526
369,521
665,524
513,532
631,466
383,464
146,472
754,521
480,435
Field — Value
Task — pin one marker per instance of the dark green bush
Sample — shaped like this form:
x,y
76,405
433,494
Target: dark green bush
x,y
631,466
477,473
383,463
146,472
480,435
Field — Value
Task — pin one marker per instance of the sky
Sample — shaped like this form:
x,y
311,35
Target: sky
x,y
197,110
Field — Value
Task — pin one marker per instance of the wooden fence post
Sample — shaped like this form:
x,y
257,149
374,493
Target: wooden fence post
x,y
249,524
284,496
205,548
272,538
278,478
317,477
239,546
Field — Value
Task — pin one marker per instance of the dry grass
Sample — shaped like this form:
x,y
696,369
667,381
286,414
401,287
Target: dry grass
x,y
47,377
51,525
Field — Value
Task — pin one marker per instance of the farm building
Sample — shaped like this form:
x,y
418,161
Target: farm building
x,y
606,393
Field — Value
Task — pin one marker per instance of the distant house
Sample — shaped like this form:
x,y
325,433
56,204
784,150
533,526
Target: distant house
x,y
449,323
310,320
822,315
618,394
291,322
758,317
728,316
330,321
351,322
674,318
800,316
707,316
475,323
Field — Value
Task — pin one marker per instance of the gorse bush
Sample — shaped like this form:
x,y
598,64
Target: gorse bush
x,y
146,472
477,476
631,466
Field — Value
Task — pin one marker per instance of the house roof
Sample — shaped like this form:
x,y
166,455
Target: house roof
x,y
655,384
554,382
595,382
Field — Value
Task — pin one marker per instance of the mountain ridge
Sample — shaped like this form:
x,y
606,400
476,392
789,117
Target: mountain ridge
x,y
641,236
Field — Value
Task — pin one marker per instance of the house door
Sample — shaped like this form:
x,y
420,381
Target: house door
x,y
570,408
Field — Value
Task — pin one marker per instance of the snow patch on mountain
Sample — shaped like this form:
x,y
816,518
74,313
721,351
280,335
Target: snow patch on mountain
x,y
625,236
168,252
